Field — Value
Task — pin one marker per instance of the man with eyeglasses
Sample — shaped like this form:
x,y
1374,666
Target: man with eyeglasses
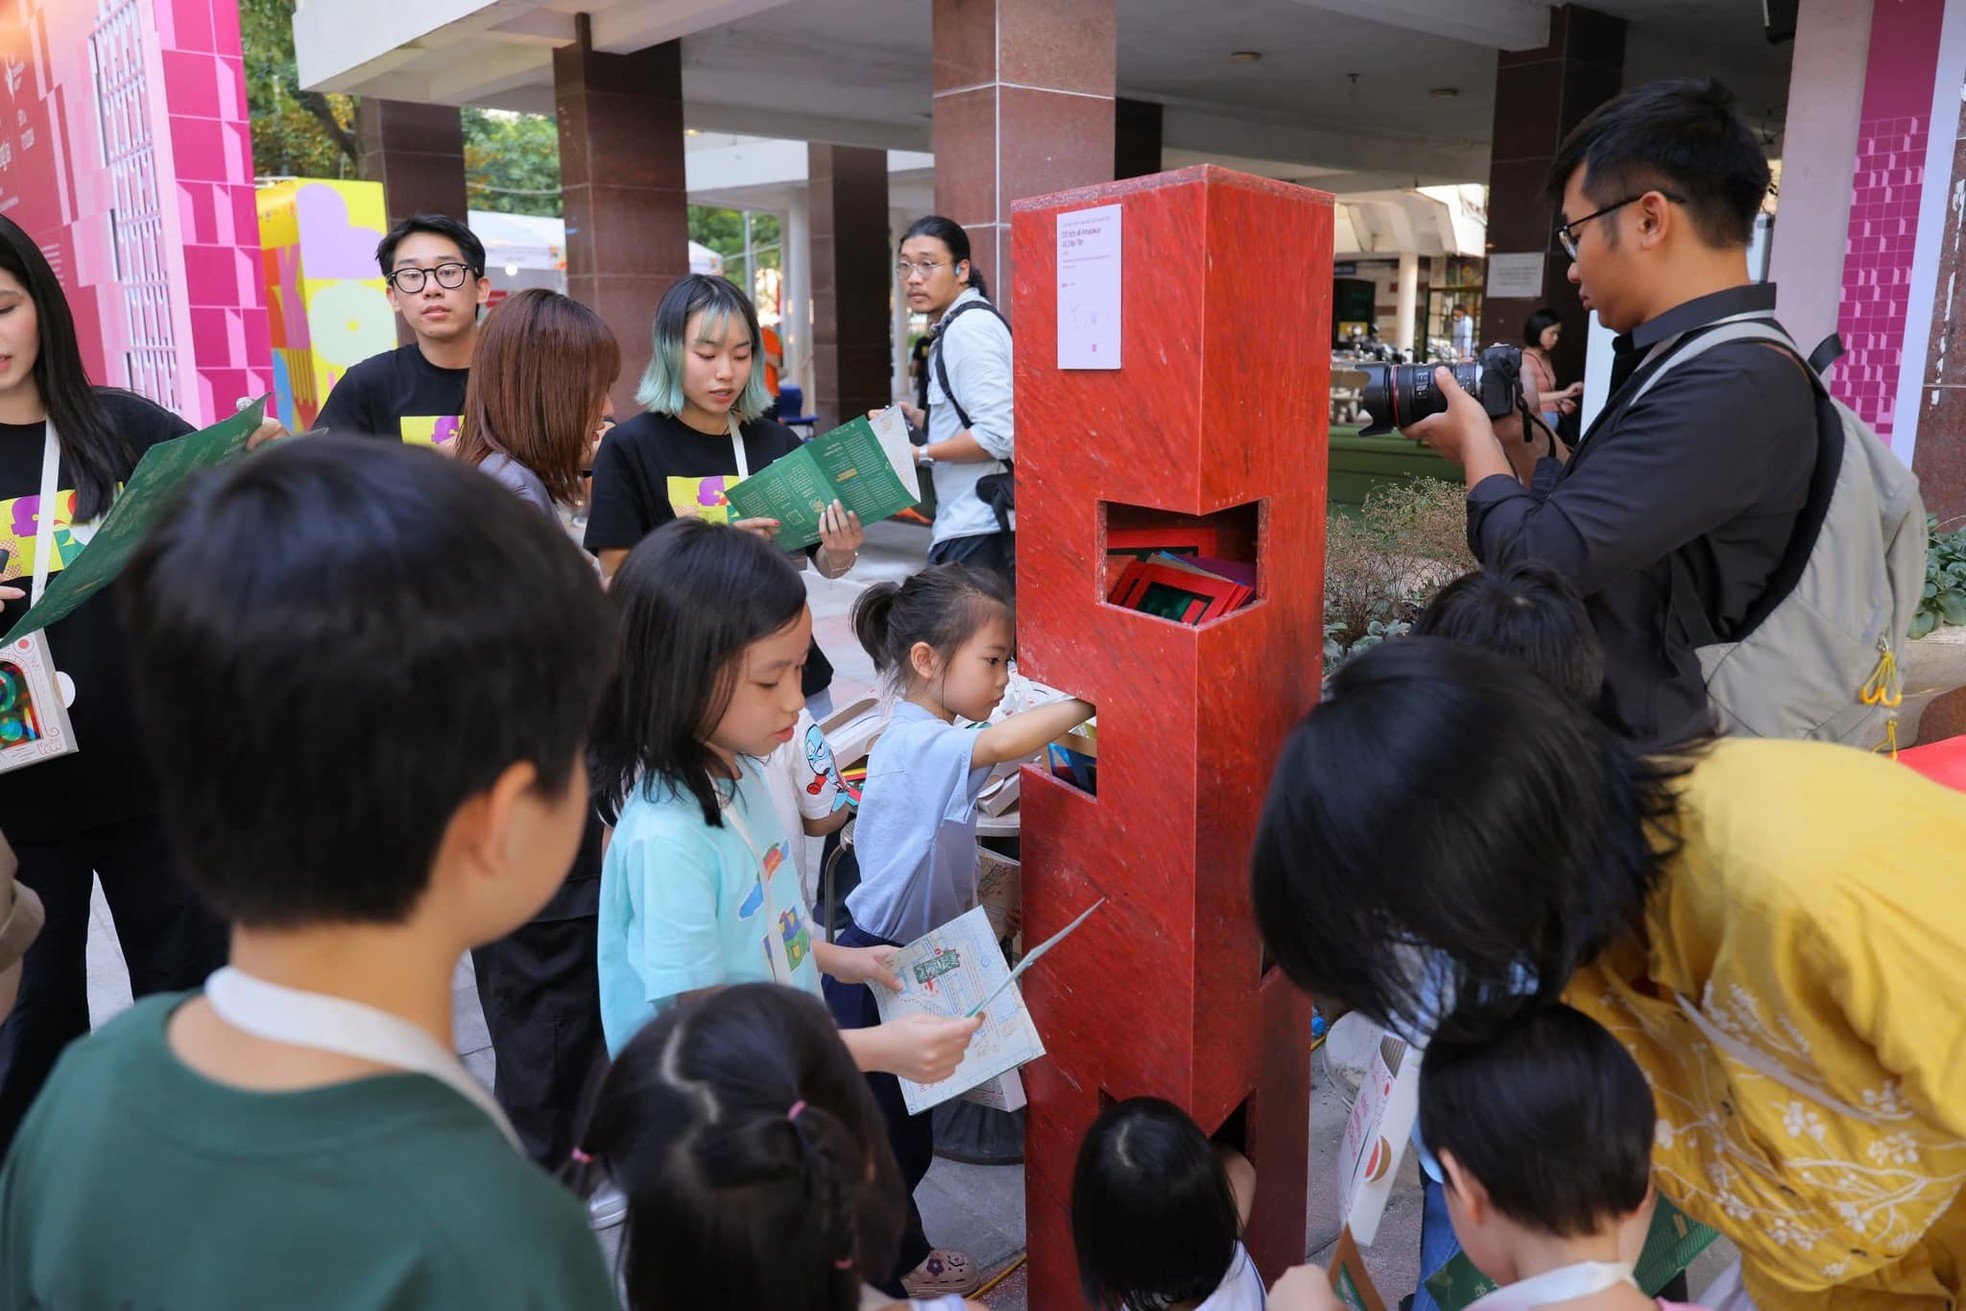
x,y
435,267
1697,484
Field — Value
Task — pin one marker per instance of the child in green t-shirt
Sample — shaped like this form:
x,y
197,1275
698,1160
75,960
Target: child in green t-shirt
x,y
364,674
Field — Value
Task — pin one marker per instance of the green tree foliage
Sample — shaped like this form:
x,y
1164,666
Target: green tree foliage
x,y
512,162
295,133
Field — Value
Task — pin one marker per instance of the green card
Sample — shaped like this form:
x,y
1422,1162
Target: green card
x,y
1670,1246
867,466
144,498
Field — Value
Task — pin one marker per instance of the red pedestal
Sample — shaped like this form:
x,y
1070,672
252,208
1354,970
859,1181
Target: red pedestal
x,y
1218,414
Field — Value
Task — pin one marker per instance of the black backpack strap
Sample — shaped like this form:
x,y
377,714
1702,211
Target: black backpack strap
x,y
935,350
1828,351
1685,599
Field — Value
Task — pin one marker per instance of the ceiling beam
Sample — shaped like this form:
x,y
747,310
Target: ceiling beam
x,y
1496,24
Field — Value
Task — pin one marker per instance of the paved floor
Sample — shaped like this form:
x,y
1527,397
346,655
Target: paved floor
x,y
979,1209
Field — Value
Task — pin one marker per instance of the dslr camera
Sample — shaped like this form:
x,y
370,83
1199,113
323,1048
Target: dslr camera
x,y
1397,395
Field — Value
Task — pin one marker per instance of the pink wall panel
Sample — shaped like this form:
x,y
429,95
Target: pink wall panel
x,y
1885,192
126,153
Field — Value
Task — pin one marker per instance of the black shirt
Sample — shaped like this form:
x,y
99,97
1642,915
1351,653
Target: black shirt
x,y
655,466
396,394
109,779
1711,465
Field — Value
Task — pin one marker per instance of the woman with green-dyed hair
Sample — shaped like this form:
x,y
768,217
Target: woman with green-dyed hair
x,y
703,430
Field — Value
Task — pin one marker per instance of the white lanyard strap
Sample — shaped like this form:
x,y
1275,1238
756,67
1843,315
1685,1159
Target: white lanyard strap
x,y
335,1024
737,447
738,826
44,514
1564,1284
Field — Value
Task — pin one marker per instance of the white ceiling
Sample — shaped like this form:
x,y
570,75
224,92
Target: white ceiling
x,y
1335,96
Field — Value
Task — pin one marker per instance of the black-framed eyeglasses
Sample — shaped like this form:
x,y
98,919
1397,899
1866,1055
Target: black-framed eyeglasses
x,y
1566,233
449,276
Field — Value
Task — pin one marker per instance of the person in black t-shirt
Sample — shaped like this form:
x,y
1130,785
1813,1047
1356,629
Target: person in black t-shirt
x,y
679,456
97,810
435,267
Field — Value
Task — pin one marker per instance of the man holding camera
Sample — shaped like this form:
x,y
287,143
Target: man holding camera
x,y
1659,189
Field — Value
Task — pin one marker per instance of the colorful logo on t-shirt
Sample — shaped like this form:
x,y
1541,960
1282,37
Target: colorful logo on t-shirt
x,y
19,524
702,498
825,773
438,430
792,932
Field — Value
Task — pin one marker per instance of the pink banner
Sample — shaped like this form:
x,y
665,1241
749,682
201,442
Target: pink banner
x,y
125,152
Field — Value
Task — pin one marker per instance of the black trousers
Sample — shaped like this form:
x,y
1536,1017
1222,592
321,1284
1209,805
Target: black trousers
x,y
541,995
541,992
996,552
911,1136
169,939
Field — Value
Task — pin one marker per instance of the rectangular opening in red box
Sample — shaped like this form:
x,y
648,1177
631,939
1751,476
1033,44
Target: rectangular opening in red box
x,y
1183,568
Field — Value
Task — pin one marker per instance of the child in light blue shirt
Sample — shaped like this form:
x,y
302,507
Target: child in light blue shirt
x,y
698,888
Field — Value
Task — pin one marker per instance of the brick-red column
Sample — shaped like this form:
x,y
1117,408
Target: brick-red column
x,y
417,153
852,281
1023,107
1539,96
1164,992
626,199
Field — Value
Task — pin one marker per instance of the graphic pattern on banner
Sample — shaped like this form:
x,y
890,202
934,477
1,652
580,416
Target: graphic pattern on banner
x,y
125,151
328,305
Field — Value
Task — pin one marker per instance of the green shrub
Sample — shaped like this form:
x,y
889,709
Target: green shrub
x,y
1944,601
1382,567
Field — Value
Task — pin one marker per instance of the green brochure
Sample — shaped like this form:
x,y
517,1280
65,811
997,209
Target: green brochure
x,y
866,465
147,494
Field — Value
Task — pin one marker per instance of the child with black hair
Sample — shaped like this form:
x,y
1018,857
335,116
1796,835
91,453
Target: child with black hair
x,y
1158,1213
698,888
1544,1129
943,640
1527,613
752,1157
317,635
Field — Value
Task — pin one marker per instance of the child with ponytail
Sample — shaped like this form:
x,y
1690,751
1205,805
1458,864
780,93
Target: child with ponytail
x,y
752,1157
943,639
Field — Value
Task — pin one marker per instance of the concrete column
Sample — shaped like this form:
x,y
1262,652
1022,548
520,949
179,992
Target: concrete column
x,y
417,153
796,329
1539,96
1024,106
1409,295
852,272
1819,150
903,384
621,176
1136,138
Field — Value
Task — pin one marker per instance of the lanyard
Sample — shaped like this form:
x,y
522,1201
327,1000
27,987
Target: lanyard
x,y
730,810
350,1028
1564,1284
737,447
44,514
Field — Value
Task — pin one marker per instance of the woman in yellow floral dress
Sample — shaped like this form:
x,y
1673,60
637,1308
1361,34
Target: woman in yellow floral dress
x,y
1776,930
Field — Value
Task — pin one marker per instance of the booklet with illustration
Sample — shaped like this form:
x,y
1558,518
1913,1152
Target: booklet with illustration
x,y
866,465
149,491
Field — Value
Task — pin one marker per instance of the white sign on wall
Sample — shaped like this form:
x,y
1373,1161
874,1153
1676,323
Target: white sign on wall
x,y
1515,277
1089,288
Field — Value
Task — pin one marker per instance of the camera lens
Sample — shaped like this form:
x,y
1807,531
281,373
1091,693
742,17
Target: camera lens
x,y
1398,395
